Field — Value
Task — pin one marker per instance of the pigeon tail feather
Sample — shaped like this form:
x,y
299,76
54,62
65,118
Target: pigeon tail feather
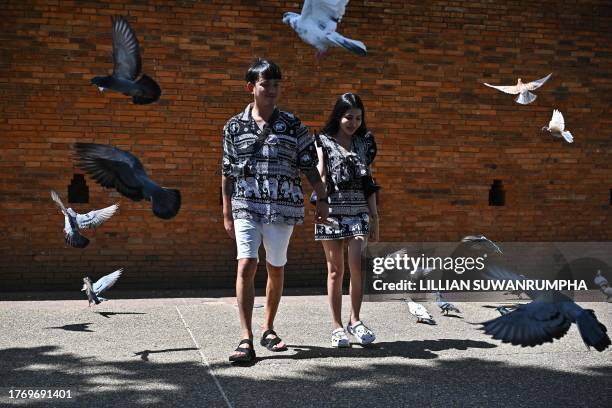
x,y
166,202
525,98
147,91
567,136
593,333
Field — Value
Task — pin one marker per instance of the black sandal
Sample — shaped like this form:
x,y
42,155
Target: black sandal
x,y
270,343
249,353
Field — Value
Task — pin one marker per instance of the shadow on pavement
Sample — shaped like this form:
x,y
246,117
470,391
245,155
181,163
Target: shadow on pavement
x,y
464,382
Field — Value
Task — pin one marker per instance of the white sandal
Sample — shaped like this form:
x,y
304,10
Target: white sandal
x,y
339,339
361,332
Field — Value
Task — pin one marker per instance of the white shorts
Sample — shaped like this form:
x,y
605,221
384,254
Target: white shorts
x,y
276,237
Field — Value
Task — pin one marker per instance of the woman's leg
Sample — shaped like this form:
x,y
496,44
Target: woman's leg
x,y
334,254
355,247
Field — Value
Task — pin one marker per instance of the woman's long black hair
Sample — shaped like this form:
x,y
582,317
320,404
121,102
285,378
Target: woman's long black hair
x,y
344,103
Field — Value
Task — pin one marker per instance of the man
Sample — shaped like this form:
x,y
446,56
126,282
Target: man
x,y
263,151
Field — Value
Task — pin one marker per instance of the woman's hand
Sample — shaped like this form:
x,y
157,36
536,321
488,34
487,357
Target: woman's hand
x,y
374,227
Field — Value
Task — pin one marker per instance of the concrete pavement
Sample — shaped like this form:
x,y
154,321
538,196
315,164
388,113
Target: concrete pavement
x,y
172,351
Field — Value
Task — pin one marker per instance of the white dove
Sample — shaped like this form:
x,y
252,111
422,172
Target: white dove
x,y
420,312
317,26
524,96
556,127
74,221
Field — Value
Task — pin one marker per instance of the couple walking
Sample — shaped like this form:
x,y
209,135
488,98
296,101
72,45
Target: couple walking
x,y
264,150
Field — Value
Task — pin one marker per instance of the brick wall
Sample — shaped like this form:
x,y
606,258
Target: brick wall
x,y
443,137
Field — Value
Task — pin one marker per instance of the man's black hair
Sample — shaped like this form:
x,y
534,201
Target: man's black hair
x,y
264,69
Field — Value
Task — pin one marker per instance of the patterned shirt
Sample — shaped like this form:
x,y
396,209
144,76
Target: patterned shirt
x,y
264,166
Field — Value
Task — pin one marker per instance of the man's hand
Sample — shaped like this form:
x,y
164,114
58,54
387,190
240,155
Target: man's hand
x,y
228,223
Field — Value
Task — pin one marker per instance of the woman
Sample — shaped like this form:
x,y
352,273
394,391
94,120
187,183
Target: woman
x,y
346,149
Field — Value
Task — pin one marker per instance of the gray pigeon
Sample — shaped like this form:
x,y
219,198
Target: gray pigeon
x,y
504,310
93,291
548,317
602,282
74,221
317,26
127,65
482,240
445,306
114,168
524,96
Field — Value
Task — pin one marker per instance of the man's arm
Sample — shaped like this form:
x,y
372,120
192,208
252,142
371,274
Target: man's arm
x,y
312,174
227,187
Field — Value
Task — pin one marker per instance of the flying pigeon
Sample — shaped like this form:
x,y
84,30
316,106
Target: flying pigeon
x,y
317,26
524,96
93,291
127,65
420,313
74,221
484,240
115,168
548,317
445,307
556,127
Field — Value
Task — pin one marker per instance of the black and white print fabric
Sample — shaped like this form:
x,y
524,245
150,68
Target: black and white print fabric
x,y
267,184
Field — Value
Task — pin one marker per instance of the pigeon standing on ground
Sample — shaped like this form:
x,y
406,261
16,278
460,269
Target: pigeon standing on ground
x,y
524,96
127,65
504,310
445,306
420,312
556,127
74,221
548,317
602,282
115,168
317,26
93,291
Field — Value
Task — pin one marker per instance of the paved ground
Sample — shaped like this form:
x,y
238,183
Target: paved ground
x,y
173,352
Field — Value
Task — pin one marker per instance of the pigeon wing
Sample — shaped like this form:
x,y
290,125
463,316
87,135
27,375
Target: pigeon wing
x,y
105,282
537,83
326,14
55,197
126,52
529,325
95,218
112,167
557,122
509,89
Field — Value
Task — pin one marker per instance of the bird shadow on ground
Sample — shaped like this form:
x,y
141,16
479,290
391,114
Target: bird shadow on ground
x,y
144,354
109,314
78,327
448,382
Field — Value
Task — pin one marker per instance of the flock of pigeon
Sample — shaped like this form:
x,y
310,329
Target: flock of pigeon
x,y
548,317
115,168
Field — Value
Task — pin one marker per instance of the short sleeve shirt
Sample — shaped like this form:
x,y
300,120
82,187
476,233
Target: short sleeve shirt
x,y
266,174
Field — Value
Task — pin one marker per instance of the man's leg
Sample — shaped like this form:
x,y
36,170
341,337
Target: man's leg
x,y
245,294
248,239
276,241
